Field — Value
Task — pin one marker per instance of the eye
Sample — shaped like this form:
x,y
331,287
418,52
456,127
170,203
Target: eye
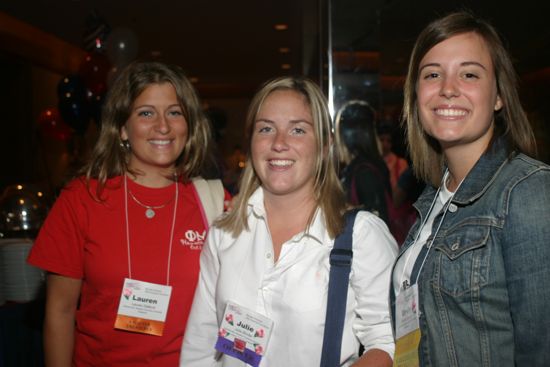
x,y
264,129
175,113
431,75
298,131
470,76
145,113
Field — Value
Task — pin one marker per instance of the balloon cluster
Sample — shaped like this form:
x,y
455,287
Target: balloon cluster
x,y
81,95
51,125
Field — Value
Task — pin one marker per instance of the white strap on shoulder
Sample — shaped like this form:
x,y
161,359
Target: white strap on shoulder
x,y
211,195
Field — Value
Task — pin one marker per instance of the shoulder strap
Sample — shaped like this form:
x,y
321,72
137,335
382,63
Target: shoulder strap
x,y
340,267
211,197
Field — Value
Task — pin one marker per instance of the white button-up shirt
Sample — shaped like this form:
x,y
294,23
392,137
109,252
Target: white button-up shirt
x,y
292,291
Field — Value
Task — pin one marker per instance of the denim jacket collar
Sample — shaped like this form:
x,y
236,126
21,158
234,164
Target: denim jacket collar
x,y
478,179
483,173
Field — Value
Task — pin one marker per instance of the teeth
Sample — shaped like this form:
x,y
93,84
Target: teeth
x,y
281,162
450,112
160,142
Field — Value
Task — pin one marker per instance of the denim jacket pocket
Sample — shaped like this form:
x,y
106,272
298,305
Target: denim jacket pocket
x,y
463,259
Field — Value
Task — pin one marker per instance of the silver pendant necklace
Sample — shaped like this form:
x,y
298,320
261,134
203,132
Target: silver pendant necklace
x,y
149,209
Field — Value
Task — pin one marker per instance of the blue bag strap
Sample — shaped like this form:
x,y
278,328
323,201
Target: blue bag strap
x,y
340,267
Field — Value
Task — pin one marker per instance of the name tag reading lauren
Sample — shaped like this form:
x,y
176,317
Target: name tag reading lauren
x,y
244,334
143,307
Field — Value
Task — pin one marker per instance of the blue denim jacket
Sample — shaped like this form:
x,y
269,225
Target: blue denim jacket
x,y
484,291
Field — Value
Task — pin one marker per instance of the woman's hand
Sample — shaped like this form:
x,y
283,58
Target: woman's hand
x,y
62,294
374,358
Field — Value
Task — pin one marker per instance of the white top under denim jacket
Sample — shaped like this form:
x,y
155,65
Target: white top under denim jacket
x,y
484,289
292,292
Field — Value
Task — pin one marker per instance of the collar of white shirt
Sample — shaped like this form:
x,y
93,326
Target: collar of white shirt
x,y
317,230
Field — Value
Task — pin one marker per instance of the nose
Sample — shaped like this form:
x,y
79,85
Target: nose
x,y
449,88
280,141
162,125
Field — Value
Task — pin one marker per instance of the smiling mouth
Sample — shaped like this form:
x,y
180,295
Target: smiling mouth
x,y
281,162
450,112
160,142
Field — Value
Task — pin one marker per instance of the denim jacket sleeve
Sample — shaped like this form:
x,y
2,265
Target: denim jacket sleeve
x,y
526,251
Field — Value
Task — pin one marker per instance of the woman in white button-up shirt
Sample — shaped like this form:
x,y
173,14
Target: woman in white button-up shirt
x,y
271,253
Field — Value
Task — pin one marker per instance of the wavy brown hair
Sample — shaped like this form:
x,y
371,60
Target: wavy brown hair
x,y
109,157
328,192
510,121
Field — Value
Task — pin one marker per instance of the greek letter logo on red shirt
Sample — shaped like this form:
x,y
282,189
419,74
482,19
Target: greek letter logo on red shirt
x,y
193,239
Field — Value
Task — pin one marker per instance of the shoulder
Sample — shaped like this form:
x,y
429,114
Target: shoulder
x,y
78,184
367,221
75,191
522,165
80,195
374,248
522,170
528,178
223,235
519,193
372,232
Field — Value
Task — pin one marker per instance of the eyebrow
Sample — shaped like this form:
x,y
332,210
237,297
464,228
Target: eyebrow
x,y
151,106
291,121
465,63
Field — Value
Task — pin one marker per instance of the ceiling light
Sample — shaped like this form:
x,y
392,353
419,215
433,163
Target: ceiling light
x,y
281,27
193,79
284,50
285,66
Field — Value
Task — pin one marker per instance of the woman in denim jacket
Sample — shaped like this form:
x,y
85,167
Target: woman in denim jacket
x,y
471,286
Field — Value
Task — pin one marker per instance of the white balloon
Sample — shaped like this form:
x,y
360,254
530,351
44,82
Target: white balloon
x,y
122,46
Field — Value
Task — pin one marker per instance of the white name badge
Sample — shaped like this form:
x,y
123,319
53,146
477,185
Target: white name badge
x,y
143,307
407,328
244,334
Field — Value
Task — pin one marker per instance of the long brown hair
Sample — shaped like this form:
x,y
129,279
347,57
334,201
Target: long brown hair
x,y
109,157
327,189
510,121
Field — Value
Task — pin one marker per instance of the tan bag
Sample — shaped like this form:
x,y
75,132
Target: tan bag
x,y
211,195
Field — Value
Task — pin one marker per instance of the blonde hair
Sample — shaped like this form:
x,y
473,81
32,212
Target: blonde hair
x,y
510,121
109,157
328,192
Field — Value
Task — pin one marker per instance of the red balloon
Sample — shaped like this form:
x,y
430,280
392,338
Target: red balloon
x,y
51,125
93,70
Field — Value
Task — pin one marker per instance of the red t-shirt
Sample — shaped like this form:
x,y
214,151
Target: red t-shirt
x,y
85,239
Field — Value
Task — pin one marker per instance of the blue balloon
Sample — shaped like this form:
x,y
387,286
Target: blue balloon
x,y
72,103
76,115
71,87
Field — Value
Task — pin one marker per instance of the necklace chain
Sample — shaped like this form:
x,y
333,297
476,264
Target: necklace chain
x,y
150,209
128,229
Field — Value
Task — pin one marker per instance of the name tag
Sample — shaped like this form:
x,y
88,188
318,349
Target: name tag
x,y
143,307
407,328
244,334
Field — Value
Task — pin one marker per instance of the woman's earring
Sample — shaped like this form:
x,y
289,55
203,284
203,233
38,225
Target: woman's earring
x,y
125,144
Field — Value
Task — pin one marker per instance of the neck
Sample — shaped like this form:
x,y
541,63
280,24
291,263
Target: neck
x,y
152,180
286,217
461,157
460,162
289,208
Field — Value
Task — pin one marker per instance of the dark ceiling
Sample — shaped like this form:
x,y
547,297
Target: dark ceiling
x,y
218,42
234,42
391,26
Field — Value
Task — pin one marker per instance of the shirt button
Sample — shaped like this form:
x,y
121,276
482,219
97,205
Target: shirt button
x,y
268,255
453,208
